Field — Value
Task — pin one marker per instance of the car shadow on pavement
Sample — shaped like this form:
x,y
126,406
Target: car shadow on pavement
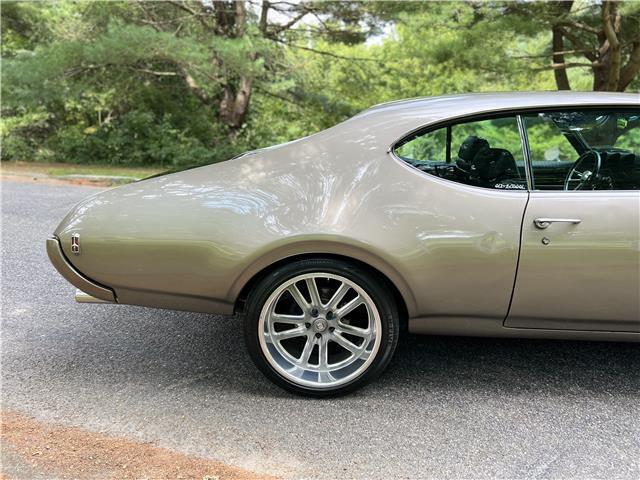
x,y
512,366
170,351
179,350
515,366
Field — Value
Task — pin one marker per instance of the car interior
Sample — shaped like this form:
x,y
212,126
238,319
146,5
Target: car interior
x,y
478,164
592,158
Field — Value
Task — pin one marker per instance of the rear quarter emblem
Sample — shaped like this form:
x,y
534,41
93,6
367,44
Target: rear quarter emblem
x,y
75,244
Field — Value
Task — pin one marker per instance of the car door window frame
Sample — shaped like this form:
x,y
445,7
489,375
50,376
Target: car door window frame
x,y
518,115
448,125
526,152
573,108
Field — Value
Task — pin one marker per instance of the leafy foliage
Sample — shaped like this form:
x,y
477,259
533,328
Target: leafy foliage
x,y
184,82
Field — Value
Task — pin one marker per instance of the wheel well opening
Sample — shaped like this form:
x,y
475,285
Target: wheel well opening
x,y
402,307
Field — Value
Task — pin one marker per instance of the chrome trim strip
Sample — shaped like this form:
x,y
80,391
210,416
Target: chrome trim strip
x,y
526,152
73,276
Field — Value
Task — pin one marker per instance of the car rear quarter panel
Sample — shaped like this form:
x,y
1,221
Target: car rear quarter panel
x,y
191,240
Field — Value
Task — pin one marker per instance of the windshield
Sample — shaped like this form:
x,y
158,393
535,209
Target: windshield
x,y
598,131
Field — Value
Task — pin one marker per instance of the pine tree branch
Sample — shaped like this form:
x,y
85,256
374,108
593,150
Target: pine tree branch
x,y
322,52
550,54
588,52
186,8
559,66
286,26
155,72
579,26
278,96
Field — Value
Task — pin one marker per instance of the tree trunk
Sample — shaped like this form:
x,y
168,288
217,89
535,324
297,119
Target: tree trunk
x,y
611,50
631,69
601,73
236,96
234,104
605,50
557,43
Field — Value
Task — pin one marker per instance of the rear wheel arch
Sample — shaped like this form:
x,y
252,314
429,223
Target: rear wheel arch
x,y
403,303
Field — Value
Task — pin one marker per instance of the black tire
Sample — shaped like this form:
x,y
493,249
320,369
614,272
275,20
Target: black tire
x,y
375,287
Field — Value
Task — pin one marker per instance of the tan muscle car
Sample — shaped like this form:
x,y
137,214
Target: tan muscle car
x,y
507,214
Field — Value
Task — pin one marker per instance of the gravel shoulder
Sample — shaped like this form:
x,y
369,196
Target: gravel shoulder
x,y
33,449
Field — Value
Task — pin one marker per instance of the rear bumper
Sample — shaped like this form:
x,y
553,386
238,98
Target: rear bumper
x,y
73,276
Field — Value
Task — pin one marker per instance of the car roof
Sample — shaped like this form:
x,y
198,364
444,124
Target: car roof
x,y
389,122
507,100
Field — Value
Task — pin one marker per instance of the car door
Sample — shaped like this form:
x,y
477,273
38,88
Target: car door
x,y
579,265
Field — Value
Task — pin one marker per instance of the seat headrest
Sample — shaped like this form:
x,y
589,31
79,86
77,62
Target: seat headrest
x,y
471,147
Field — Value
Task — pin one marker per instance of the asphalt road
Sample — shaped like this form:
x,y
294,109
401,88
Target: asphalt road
x,y
446,407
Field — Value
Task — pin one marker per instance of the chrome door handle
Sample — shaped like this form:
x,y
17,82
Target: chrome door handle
x,y
543,223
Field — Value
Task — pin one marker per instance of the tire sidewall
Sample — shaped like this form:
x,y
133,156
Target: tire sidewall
x,y
366,279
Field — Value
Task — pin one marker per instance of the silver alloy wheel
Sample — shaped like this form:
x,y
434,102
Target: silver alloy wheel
x,y
332,336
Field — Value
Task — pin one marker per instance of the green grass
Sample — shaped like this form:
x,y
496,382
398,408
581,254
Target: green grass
x,y
57,170
97,170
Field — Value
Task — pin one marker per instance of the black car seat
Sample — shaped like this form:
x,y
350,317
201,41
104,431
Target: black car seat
x,y
469,150
623,168
485,165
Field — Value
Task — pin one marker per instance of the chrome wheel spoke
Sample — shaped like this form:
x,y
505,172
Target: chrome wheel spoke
x,y
325,377
350,306
351,330
313,292
298,297
338,296
323,353
344,343
287,319
291,333
306,351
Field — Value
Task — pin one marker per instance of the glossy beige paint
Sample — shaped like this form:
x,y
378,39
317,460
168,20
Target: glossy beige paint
x,y
588,276
73,276
192,240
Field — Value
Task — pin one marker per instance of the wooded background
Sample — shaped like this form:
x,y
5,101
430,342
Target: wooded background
x,y
176,83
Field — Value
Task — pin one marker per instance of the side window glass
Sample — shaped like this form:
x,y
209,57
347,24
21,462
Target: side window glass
x,y
484,153
430,147
500,133
585,150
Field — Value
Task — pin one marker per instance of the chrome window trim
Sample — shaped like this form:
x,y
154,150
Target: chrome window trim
x,y
448,124
564,109
524,141
500,112
488,114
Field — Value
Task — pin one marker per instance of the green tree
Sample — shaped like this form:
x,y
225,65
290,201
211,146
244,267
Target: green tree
x,y
186,81
103,62
600,37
